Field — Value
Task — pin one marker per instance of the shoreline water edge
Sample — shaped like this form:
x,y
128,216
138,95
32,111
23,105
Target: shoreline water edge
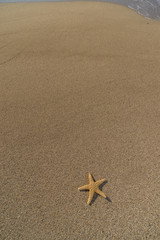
x,y
149,9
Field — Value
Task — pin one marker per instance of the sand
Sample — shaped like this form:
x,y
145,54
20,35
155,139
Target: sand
x,y
79,93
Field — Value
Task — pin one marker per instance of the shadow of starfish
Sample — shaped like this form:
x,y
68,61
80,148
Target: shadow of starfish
x,y
96,195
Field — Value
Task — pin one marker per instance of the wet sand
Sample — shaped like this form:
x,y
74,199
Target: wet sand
x,y
79,93
149,9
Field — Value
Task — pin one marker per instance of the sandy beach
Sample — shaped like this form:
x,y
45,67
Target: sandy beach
x,y
79,93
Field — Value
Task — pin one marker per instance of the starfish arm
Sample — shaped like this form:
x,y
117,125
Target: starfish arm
x,y
90,178
100,193
85,187
99,182
91,193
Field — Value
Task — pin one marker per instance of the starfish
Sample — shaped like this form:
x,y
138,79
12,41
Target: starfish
x,y
93,187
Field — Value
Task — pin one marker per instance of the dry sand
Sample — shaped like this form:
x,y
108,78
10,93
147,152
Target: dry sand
x,y
79,92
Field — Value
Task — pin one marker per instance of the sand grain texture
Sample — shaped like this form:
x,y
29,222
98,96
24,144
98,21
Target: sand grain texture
x,y
79,93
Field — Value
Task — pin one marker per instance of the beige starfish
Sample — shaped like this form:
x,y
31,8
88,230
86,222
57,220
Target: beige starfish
x,y
93,187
